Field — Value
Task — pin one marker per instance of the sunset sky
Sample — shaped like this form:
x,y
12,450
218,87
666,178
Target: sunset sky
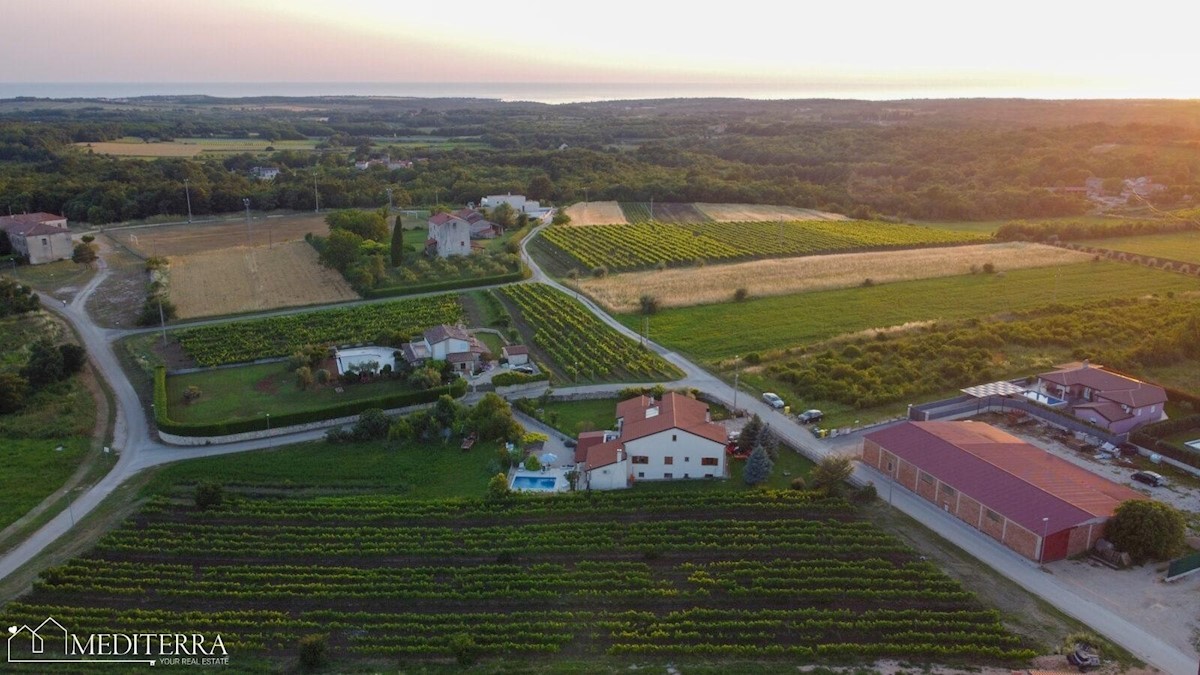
x,y
1046,48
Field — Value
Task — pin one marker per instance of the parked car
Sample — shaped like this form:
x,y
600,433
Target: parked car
x,y
773,400
528,370
1083,658
1149,478
810,416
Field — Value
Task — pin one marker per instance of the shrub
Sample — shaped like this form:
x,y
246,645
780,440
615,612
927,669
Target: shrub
x,y
831,472
209,495
498,487
649,304
372,425
989,268
740,295
191,393
532,463
314,651
600,271
798,483
758,467
868,282
1148,530
321,375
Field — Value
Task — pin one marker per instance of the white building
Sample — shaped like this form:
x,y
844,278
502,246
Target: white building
x,y
444,343
40,237
519,203
517,355
669,439
264,172
449,235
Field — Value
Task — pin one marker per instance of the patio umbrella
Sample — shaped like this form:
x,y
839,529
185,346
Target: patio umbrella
x,y
549,458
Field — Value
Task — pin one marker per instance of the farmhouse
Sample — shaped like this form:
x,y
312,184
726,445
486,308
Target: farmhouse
x,y
1040,506
669,439
264,172
1114,402
517,355
451,233
40,237
444,343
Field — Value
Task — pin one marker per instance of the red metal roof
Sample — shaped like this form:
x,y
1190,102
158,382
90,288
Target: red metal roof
x,y
1111,386
674,411
1020,481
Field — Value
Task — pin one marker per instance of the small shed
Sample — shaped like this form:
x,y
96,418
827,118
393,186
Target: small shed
x,y
517,355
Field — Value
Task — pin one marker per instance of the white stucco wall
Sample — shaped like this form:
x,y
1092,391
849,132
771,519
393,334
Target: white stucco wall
x,y
441,350
612,477
685,450
453,238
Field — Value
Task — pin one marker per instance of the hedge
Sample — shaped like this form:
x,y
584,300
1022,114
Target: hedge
x,y
454,284
397,400
1151,438
508,378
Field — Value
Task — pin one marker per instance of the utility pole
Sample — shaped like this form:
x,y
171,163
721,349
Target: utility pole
x,y
316,196
389,194
188,193
736,376
162,320
246,203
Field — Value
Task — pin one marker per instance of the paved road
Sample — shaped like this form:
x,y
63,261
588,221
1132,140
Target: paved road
x,y
140,450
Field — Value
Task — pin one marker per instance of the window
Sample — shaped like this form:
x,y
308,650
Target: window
x,y
674,437
709,461
992,515
668,475
926,478
640,459
889,465
948,491
708,475
641,474
686,460
668,460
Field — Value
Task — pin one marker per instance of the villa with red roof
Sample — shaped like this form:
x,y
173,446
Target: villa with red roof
x,y
40,237
451,233
669,439
1114,402
1039,505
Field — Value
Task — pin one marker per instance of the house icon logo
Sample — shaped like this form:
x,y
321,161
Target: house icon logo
x,y
26,641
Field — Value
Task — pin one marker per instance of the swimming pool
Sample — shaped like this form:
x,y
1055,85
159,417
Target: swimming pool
x,y
1044,399
535,483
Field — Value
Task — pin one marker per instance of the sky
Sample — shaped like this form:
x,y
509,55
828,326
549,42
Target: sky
x,y
1050,47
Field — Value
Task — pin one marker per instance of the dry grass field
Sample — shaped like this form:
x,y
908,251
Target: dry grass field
x,y
242,279
739,213
596,213
141,149
190,147
174,240
682,287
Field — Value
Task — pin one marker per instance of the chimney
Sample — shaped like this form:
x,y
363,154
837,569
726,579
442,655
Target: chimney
x,y
1085,363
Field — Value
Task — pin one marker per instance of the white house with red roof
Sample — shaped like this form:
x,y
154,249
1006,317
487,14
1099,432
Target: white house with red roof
x,y
445,343
40,237
451,233
673,438
1106,399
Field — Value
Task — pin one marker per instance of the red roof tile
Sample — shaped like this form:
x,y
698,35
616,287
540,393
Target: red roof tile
x,y
1007,475
516,349
586,440
440,219
674,411
603,454
1111,386
1113,412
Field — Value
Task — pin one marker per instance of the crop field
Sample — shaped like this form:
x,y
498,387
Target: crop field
x,y
759,325
186,239
686,286
646,212
240,341
596,213
742,213
622,247
191,147
763,576
583,346
1184,246
234,280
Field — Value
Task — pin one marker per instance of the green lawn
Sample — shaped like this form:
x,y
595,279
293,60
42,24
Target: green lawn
x,y
725,330
1183,246
566,416
52,276
414,470
492,341
250,392
790,466
33,469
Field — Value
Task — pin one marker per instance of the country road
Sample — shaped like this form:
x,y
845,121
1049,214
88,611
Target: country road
x,y
139,449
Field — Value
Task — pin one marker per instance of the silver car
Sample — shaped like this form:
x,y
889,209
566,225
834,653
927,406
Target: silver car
x,y
773,400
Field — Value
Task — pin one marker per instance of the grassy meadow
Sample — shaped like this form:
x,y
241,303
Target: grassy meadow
x,y
713,332
1183,246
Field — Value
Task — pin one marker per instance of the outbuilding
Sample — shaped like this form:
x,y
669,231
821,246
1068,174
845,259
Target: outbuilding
x,y
1039,505
517,355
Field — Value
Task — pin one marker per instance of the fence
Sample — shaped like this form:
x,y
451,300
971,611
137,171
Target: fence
x,y
965,406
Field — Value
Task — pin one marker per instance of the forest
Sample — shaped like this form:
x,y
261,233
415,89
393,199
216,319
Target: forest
x,y
931,160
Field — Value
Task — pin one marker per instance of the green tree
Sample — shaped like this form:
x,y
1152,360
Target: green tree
x,y
748,439
1147,529
540,187
532,463
831,472
84,254
560,218
649,304
504,215
372,425
209,495
16,298
13,389
341,249
366,224
758,467
397,243
45,365
492,419
425,378
304,377
73,356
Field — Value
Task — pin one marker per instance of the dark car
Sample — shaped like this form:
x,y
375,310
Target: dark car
x,y
810,416
1149,478
528,370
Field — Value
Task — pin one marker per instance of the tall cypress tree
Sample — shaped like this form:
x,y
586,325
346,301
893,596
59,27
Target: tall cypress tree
x,y
397,242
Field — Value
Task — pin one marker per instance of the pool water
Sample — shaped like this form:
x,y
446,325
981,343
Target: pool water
x,y
534,483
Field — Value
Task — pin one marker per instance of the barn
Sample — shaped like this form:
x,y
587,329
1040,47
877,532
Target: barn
x,y
1043,507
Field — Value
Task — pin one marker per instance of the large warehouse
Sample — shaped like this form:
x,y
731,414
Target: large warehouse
x,y
1010,490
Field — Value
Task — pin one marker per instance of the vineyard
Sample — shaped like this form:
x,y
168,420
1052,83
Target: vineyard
x,y
749,575
584,347
644,212
240,341
644,244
